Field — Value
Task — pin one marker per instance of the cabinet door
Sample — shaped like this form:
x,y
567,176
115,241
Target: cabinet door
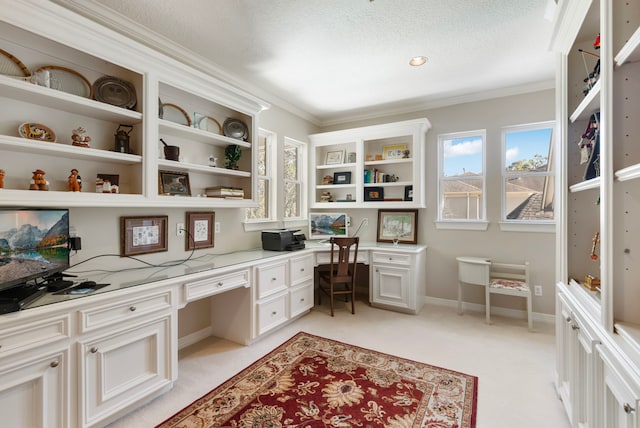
x,y
36,392
390,286
120,369
621,394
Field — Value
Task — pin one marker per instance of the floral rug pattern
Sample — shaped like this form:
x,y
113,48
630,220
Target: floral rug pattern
x,y
312,382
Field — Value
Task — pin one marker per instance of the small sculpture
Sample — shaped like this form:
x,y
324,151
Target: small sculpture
x,y
327,179
213,161
326,197
1,178
75,182
80,137
38,181
406,154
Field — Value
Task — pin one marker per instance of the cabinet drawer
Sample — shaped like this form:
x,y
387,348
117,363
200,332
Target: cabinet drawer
x,y
301,269
33,334
393,258
271,279
301,299
215,284
271,313
123,310
324,257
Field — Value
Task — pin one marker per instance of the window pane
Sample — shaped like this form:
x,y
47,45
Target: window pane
x,y
462,156
528,150
262,210
462,199
529,197
262,155
291,200
290,162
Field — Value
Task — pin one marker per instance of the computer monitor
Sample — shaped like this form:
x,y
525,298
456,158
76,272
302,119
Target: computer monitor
x,y
327,225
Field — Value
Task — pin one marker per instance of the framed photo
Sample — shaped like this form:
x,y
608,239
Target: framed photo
x,y
326,225
335,157
174,183
200,227
398,226
143,234
393,152
408,193
342,177
373,193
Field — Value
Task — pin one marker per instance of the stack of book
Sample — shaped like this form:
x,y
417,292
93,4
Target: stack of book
x,y
375,176
226,192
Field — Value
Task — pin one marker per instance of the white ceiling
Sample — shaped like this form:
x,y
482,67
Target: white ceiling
x,y
334,60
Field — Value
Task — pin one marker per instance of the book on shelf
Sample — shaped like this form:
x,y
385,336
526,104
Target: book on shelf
x,y
225,191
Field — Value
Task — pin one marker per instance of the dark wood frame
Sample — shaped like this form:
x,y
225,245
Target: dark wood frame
x,y
190,242
408,193
345,174
374,193
128,245
386,237
163,186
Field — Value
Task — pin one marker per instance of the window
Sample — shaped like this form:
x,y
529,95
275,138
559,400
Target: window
x,y
461,183
265,184
527,173
294,156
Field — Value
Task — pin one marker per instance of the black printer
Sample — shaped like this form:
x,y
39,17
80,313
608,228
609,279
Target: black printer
x,y
282,240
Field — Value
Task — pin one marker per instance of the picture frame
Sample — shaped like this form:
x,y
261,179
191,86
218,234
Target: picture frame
x,y
200,230
174,183
408,193
374,193
323,225
342,177
143,235
398,226
394,151
335,157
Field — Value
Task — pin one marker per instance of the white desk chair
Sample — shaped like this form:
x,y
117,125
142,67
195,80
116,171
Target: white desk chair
x,y
512,280
473,271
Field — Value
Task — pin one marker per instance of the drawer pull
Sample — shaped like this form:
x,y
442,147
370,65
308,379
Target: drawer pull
x,y
220,284
274,313
301,269
568,319
628,409
54,364
132,308
302,299
390,258
273,279
93,350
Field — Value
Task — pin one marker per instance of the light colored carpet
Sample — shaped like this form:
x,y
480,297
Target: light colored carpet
x,y
514,367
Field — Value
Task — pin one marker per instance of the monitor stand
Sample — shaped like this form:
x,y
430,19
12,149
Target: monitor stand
x,y
14,299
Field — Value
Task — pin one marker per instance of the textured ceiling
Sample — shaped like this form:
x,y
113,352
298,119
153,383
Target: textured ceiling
x,y
334,59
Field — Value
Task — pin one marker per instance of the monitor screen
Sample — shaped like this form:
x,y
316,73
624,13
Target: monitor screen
x,y
327,225
34,243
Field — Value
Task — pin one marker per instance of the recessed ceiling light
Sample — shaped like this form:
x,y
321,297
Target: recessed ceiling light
x,y
417,60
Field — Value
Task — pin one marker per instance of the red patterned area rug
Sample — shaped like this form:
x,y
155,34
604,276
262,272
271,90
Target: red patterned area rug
x,y
310,382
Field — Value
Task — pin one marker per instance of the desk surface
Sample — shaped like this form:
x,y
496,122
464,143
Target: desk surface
x,y
199,267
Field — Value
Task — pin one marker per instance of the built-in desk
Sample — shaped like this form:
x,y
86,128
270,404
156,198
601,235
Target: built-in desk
x,y
98,356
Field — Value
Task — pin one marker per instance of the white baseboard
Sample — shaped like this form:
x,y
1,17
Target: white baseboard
x,y
504,312
195,337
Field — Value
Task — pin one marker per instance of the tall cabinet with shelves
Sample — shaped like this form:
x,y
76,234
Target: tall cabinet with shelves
x,y
598,234
72,42
369,167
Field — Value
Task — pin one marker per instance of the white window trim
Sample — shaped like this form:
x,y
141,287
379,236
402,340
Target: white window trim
x,y
302,178
271,221
462,224
507,225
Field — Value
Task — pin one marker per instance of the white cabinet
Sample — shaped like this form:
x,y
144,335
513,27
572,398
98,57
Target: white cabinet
x,y
370,166
398,280
194,103
301,284
621,393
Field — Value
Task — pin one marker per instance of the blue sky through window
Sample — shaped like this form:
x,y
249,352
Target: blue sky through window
x,y
462,155
523,145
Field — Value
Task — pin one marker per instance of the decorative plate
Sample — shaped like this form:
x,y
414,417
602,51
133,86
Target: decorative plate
x,y
208,123
175,113
12,66
66,80
37,131
115,91
235,128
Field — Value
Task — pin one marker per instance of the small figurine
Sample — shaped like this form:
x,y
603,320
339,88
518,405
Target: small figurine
x,y
326,197
327,179
80,137
75,182
1,178
406,153
38,181
213,161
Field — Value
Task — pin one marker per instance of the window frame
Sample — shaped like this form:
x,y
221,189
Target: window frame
x,y
465,224
272,185
302,161
515,225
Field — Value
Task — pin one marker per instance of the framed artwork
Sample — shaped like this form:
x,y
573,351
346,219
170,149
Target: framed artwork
x,y
408,193
326,225
200,227
342,177
373,194
393,152
174,183
335,157
398,226
143,234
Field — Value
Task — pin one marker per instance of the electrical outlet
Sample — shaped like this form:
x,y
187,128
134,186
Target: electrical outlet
x,y
217,227
180,229
365,221
537,290
348,221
